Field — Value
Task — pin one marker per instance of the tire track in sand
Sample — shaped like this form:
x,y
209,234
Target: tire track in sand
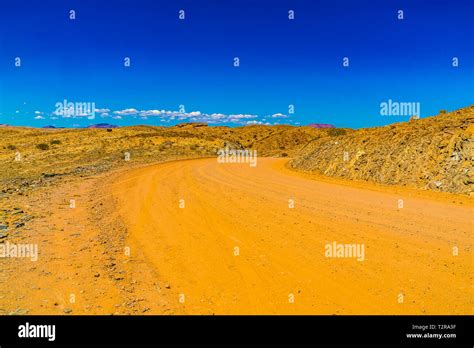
x,y
407,250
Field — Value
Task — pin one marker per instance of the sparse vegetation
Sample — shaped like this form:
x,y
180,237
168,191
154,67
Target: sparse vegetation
x,y
42,146
97,151
377,154
335,132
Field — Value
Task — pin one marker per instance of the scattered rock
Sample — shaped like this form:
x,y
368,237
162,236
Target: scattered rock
x,y
432,153
19,311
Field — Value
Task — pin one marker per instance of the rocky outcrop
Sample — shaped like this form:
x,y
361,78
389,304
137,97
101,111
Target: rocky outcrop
x,y
433,153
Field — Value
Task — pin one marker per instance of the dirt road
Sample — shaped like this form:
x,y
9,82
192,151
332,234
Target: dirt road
x,y
231,238
199,237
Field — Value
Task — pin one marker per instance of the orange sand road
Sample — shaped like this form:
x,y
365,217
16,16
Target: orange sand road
x,y
408,251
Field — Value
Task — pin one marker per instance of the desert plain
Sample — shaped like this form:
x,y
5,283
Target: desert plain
x,y
146,220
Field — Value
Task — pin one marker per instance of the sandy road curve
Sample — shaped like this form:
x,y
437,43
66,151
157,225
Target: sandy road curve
x,y
281,250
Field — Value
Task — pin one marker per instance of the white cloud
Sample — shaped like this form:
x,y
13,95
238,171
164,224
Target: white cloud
x,y
253,122
192,116
126,112
195,116
102,111
217,116
241,116
150,113
279,115
39,117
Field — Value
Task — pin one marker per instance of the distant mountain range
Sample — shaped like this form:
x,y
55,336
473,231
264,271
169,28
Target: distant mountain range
x,y
98,125
108,125
102,125
321,125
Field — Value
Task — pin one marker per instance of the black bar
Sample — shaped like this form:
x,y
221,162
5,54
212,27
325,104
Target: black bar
x,y
288,330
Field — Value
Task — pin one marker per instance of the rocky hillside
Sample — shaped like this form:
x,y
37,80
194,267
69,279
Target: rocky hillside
x,y
430,153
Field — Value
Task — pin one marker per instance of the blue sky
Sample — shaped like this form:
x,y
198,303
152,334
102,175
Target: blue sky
x,y
190,62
